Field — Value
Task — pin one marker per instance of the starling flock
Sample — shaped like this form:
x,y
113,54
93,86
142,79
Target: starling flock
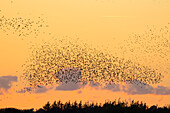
x,y
68,75
151,47
21,26
61,61
50,61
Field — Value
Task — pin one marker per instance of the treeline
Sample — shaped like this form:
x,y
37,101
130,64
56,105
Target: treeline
x,y
108,107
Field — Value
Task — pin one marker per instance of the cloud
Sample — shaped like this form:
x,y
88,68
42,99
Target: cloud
x,y
69,82
113,87
69,86
116,16
94,85
38,89
137,87
25,89
70,79
133,89
5,81
161,90
41,89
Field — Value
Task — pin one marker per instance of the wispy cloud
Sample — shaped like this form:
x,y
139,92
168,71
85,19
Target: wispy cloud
x,y
41,89
38,89
139,88
116,16
134,88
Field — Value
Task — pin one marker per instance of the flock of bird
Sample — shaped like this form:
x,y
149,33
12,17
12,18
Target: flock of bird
x,y
68,75
65,60
49,63
151,47
21,26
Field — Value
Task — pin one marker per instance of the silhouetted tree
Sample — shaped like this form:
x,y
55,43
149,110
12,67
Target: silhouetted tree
x,y
40,111
47,106
108,107
54,105
80,105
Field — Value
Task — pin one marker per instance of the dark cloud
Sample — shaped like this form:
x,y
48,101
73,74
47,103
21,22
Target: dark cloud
x,y
161,90
5,81
69,86
137,87
132,89
93,84
113,87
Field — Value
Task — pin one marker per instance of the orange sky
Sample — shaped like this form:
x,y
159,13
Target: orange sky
x,y
37,100
101,24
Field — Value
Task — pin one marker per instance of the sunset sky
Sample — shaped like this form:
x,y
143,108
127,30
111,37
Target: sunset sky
x,y
136,30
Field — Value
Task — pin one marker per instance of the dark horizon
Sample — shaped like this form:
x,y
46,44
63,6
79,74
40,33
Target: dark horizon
x,y
91,107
